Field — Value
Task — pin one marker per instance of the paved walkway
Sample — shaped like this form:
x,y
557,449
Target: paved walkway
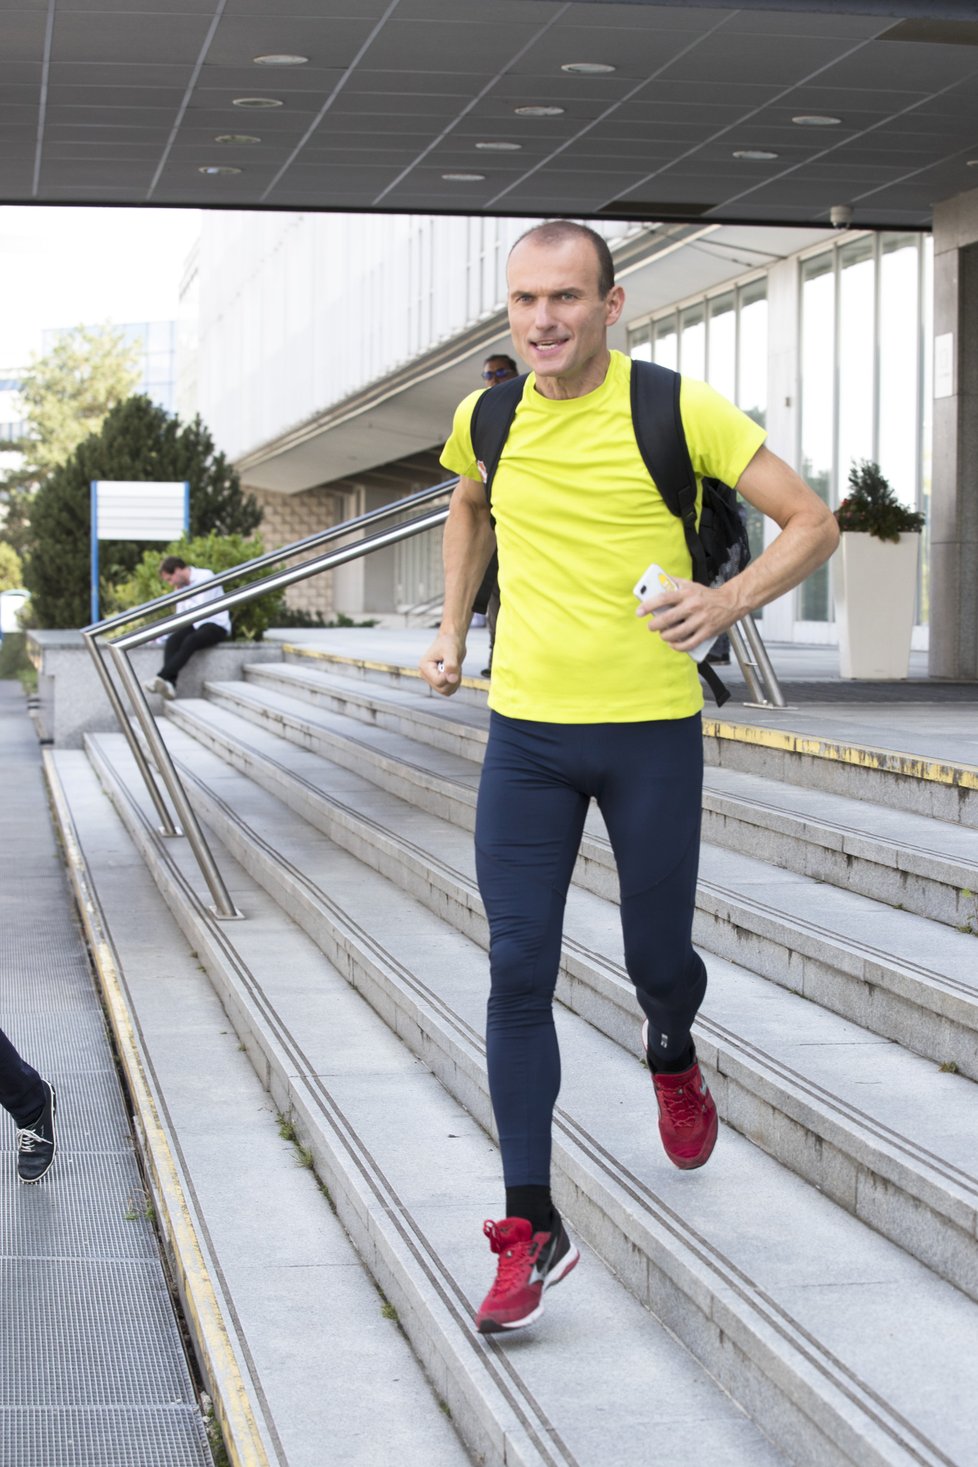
x,y
92,1369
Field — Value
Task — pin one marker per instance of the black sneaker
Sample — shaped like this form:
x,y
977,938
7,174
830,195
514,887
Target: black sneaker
x,y
36,1142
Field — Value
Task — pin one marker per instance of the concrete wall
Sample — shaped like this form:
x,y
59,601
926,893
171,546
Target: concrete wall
x,y
72,701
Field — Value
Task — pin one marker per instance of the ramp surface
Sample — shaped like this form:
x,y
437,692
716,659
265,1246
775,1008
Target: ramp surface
x,y
92,1367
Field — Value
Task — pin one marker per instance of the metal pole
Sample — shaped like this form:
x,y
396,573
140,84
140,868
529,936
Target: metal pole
x,y
223,905
763,662
167,827
747,666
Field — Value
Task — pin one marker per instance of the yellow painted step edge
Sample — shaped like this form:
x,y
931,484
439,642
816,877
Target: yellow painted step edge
x,y
885,761
243,1437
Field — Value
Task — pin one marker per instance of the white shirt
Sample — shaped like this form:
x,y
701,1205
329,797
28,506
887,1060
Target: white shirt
x,y
198,576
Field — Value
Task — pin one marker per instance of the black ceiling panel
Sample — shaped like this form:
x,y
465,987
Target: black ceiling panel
x,y
126,92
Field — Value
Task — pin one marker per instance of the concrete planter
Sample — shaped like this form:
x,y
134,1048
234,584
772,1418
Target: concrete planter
x,y
875,595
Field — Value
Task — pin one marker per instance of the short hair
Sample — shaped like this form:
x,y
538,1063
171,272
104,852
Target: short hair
x,y
500,356
555,231
172,563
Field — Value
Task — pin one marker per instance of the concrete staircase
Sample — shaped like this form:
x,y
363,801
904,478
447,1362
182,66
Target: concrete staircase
x,y
808,1297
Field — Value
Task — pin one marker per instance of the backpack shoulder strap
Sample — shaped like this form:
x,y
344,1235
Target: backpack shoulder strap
x,y
492,418
661,439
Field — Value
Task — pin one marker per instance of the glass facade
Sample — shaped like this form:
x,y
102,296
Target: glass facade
x,y
865,390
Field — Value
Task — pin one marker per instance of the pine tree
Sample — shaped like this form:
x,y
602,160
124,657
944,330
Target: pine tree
x,y
138,440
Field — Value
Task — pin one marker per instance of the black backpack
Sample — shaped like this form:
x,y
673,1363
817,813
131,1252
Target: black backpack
x,y
717,544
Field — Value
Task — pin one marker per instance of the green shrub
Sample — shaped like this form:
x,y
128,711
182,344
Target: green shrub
x,y
872,507
249,622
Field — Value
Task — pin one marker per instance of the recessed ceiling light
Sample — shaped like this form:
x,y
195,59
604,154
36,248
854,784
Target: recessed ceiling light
x,y
588,68
236,137
814,119
463,177
538,111
499,147
257,102
755,154
212,168
282,58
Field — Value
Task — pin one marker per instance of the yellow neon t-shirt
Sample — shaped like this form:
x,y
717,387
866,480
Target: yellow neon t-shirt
x,y
578,520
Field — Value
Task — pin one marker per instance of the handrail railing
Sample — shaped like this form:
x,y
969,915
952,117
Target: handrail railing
x,y
121,646
743,636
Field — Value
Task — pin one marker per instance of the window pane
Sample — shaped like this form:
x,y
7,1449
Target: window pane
x,y
817,375
666,344
857,313
721,367
752,352
640,343
899,359
692,328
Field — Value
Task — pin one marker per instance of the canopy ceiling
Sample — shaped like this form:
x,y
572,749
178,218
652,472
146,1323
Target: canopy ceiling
x,y
123,102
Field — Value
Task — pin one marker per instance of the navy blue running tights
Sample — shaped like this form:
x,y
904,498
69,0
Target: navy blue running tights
x,y
537,782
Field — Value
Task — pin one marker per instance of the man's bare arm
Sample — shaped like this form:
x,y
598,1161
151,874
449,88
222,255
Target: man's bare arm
x,y
809,534
466,551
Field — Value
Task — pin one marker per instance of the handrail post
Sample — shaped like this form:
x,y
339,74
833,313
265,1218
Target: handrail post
x,y
167,826
223,905
752,655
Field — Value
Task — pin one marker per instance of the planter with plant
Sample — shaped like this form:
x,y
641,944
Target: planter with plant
x,y
875,577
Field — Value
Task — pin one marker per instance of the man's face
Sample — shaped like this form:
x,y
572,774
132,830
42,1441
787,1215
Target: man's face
x,y
495,369
557,317
176,579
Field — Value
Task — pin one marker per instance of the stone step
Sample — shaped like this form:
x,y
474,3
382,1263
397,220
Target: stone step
x,y
914,862
760,1308
260,1259
600,1372
938,786
889,971
792,1077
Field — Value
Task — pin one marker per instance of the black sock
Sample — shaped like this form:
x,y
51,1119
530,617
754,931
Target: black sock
x,y
533,1203
674,1066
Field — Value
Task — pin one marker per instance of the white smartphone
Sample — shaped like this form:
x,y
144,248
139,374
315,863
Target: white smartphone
x,y
652,583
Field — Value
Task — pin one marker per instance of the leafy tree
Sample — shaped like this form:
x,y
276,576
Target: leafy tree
x,y
11,570
66,396
138,440
217,553
68,393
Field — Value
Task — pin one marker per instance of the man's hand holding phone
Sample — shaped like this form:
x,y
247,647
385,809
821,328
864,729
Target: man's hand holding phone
x,y
676,608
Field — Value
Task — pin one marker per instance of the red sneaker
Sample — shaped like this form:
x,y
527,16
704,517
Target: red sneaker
x,y
528,1264
687,1115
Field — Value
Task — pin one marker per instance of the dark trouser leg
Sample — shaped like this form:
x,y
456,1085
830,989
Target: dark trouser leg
x,y
22,1092
651,799
528,828
183,643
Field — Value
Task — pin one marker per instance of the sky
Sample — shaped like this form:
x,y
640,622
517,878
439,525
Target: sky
x,y
80,266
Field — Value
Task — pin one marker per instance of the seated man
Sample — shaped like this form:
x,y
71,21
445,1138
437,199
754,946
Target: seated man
x,y
183,643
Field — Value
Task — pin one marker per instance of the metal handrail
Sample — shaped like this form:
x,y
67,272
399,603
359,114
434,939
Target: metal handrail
x,y
121,646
